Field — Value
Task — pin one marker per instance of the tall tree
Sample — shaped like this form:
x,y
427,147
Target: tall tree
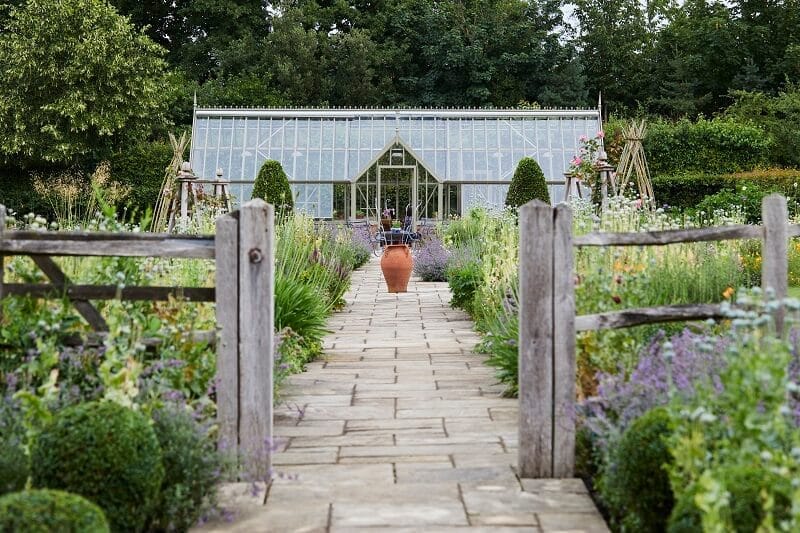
x,y
78,79
613,38
764,30
202,35
695,61
471,52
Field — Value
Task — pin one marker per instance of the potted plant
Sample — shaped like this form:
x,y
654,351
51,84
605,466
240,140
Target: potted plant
x,y
386,219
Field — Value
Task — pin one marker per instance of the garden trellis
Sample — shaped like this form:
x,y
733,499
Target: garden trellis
x,y
243,250
632,162
547,325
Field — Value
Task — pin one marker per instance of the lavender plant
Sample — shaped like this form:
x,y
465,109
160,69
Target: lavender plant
x,y
430,261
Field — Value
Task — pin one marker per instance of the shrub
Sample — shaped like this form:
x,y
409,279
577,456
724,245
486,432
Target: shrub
x,y
464,277
273,187
675,365
430,262
360,246
469,229
744,188
46,511
105,452
191,470
13,465
636,486
778,116
502,328
715,146
744,484
527,184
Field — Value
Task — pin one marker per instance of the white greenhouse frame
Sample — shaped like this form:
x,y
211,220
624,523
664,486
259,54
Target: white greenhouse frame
x,y
438,162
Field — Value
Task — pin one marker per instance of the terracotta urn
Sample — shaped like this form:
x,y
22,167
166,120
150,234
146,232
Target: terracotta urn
x,y
396,265
387,224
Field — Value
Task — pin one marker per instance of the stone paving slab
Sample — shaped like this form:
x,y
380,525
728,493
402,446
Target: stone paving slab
x,y
402,428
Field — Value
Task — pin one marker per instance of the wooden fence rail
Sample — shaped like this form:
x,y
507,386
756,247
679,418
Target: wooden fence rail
x,y
547,322
243,250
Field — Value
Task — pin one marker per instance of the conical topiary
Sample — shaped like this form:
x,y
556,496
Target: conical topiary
x,y
528,184
273,187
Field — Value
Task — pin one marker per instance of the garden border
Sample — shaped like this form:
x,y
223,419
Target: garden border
x,y
547,364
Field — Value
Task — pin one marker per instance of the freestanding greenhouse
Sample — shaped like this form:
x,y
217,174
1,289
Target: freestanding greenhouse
x,y
349,163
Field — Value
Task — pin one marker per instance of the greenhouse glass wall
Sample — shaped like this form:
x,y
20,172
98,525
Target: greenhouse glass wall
x,y
350,163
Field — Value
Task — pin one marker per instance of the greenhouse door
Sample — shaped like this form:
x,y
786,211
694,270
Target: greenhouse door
x,y
397,190
396,180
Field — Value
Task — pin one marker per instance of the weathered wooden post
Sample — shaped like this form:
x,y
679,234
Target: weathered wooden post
x,y
535,340
245,316
546,342
185,182
226,243
564,365
256,318
775,262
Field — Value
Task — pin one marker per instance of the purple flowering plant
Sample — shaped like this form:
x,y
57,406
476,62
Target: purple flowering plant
x,y
431,259
667,367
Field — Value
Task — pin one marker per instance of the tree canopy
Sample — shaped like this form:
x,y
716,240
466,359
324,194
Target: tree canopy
x,y
78,79
655,56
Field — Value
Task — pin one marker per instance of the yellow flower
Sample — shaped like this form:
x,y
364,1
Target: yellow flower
x,y
727,293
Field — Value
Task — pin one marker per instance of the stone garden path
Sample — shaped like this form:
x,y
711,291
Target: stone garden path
x,y
401,428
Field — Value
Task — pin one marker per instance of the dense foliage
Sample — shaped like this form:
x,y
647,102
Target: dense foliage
x,y
106,453
715,146
675,60
778,116
527,184
14,469
722,413
45,511
45,378
709,192
71,71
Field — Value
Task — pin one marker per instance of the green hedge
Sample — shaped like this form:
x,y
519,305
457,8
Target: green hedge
x,y
718,146
713,146
690,189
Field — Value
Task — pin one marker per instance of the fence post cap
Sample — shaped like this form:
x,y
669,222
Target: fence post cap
x,y
255,203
